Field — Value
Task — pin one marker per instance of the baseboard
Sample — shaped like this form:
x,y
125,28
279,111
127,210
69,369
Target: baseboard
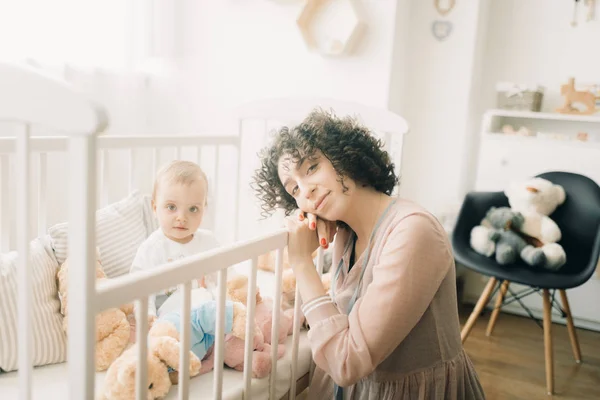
x,y
518,310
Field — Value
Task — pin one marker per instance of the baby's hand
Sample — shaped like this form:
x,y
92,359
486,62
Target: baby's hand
x,y
201,282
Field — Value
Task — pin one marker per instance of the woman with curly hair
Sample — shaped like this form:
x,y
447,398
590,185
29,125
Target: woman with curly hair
x,y
389,329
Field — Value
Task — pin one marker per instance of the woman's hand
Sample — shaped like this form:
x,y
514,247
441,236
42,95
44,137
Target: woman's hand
x,y
302,241
326,230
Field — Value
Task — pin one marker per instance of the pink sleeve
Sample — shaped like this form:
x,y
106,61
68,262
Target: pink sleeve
x,y
414,261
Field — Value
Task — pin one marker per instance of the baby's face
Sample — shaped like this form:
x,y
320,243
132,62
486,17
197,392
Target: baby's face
x,y
180,208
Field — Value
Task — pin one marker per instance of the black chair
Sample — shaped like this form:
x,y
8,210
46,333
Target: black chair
x,y
579,220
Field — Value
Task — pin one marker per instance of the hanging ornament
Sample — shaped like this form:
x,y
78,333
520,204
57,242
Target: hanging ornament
x,y
444,9
574,20
441,29
591,11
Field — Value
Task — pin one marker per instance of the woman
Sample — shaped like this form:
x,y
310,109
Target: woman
x,y
389,329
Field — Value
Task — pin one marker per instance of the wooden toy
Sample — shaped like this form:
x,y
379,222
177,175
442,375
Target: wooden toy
x,y
573,96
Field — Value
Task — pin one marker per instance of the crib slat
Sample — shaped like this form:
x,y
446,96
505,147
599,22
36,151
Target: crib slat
x,y
178,153
131,168
236,208
82,252
295,344
42,194
141,329
104,177
155,161
4,203
216,179
275,321
249,345
220,334
23,265
184,350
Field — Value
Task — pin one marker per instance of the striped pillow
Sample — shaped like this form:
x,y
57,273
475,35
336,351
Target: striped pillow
x,y
120,229
49,341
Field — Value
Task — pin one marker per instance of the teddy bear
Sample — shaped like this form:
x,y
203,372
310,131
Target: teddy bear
x,y
164,347
203,320
163,355
504,224
536,199
264,310
112,325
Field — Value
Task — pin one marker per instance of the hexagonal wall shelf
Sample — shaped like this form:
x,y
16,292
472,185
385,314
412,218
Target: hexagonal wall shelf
x,y
330,27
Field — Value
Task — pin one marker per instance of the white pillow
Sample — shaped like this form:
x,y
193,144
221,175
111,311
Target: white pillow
x,y
149,217
120,229
49,341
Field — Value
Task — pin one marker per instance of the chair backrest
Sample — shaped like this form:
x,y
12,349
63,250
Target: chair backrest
x,y
579,220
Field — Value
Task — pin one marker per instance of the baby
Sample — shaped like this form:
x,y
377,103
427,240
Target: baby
x,y
178,200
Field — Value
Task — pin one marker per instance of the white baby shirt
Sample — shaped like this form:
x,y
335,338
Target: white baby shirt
x,y
159,249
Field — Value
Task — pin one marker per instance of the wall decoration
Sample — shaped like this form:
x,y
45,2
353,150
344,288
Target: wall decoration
x,y
441,29
591,11
572,96
444,6
330,27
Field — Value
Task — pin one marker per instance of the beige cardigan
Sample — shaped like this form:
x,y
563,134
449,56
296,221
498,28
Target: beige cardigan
x,y
402,338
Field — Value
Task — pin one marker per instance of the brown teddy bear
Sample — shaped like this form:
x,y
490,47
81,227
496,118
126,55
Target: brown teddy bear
x,y
112,325
163,353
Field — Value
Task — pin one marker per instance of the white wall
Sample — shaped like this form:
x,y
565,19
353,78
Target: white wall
x,y
239,51
437,102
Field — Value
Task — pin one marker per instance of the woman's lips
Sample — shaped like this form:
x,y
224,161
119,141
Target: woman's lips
x,y
321,202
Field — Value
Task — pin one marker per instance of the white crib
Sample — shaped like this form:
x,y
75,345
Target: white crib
x,y
29,100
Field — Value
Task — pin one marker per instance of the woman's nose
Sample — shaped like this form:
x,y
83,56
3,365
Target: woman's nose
x,y
308,191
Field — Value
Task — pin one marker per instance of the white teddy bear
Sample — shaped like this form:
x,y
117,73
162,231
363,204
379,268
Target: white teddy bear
x,y
536,199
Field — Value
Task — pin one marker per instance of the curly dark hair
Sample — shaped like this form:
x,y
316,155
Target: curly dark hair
x,y
350,147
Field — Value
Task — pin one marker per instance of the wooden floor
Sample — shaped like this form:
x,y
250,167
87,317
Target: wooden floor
x,y
510,363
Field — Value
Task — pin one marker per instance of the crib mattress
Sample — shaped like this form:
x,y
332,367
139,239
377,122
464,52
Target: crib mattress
x,y
50,381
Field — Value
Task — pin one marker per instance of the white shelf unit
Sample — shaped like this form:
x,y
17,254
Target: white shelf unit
x,y
503,158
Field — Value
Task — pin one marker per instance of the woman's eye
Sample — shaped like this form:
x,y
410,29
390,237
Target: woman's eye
x,y
194,209
294,190
312,168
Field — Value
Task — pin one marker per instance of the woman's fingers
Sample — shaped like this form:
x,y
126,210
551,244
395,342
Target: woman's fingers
x,y
312,221
323,233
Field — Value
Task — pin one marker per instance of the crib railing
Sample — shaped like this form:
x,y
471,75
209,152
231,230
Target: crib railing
x,y
137,287
205,150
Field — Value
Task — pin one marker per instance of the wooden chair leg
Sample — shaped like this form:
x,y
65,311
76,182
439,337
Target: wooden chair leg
x,y
548,343
496,312
571,326
481,303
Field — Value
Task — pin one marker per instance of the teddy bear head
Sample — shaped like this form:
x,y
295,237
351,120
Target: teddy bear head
x,y
237,289
535,195
504,218
120,379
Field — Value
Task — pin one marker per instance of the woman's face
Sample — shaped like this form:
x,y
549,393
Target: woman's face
x,y
315,186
